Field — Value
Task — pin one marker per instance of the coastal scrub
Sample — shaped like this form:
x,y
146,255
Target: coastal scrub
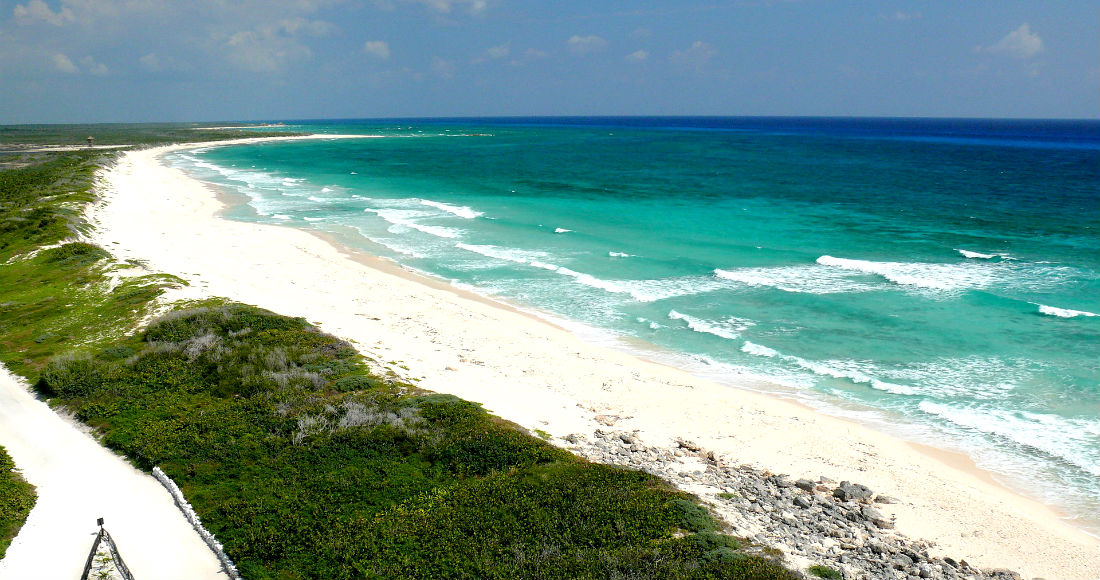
x,y
17,497
305,464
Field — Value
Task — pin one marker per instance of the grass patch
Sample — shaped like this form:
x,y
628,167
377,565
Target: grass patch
x,y
824,572
17,497
306,465
59,300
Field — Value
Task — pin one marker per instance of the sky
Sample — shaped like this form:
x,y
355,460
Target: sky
x,y
83,61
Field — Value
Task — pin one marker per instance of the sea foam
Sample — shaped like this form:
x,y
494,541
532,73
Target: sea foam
x,y
976,255
507,254
945,277
460,211
795,279
1071,440
730,329
1062,312
837,369
404,218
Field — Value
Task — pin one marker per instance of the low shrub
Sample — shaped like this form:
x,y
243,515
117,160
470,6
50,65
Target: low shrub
x,y
17,497
307,465
824,572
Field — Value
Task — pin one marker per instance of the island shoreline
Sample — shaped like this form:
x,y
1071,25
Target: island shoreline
x,y
578,409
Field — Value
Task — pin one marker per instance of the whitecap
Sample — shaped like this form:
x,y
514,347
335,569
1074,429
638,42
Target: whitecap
x,y
729,329
507,254
460,211
404,218
280,216
758,350
1076,441
619,255
650,323
1062,312
796,279
917,274
561,231
594,282
663,288
976,255
837,369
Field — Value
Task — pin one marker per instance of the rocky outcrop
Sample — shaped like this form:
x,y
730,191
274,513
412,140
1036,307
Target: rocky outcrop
x,y
813,522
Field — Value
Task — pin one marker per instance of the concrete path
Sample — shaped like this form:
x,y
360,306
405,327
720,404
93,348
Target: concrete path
x,y
78,481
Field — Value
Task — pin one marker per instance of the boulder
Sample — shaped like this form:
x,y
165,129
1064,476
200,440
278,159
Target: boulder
x,y
848,491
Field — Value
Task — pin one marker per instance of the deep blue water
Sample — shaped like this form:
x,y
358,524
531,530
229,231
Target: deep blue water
x,y
940,278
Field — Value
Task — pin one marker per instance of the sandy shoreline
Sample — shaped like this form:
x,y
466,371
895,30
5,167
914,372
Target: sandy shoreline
x,y
544,378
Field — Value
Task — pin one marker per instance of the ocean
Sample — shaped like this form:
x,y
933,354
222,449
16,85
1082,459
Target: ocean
x,y
937,279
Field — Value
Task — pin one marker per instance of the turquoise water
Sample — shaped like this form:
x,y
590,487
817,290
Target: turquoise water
x,y
940,279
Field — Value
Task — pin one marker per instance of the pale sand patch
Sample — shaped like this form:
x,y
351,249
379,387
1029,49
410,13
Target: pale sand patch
x,y
78,481
543,377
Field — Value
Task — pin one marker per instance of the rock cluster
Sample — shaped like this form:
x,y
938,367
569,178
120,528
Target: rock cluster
x,y
813,522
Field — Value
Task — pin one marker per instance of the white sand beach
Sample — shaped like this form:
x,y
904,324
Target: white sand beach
x,y
543,377
79,481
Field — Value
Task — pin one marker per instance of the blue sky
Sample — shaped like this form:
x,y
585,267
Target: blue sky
x,y
205,60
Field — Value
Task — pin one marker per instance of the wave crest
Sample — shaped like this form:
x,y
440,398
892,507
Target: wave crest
x,y
946,277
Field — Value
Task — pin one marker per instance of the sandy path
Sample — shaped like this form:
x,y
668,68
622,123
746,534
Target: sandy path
x,y
79,481
543,377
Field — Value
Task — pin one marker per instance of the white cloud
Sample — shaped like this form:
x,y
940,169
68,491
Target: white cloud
x,y
379,49
1020,43
64,64
295,26
448,6
585,44
37,10
500,51
902,16
637,56
269,48
694,57
534,53
443,68
94,67
150,62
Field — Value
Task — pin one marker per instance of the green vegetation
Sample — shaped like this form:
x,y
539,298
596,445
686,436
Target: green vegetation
x,y
60,299
824,572
124,133
305,465
301,460
17,497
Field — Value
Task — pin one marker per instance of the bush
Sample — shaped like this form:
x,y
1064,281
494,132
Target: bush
x,y
306,465
824,572
17,497
76,254
73,377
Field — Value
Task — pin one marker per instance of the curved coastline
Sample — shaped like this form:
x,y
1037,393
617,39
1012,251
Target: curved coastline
x,y
544,377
